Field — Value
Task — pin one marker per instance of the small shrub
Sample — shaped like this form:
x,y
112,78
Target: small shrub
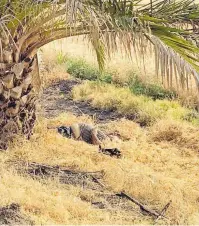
x,y
107,78
191,116
80,69
181,134
156,92
167,131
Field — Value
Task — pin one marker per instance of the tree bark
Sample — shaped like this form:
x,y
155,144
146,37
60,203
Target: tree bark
x,y
17,99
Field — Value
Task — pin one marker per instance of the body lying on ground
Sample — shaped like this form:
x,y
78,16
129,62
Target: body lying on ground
x,y
82,131
90,134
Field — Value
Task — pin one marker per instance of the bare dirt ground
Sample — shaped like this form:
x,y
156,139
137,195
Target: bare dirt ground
x,y
57,99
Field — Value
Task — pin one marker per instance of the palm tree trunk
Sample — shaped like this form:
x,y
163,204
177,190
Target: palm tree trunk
x,y
17,99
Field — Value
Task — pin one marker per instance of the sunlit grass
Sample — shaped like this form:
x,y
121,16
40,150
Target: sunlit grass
x,y
158,165
143,109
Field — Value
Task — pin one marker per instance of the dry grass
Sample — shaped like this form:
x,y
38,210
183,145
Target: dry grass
x,y
119,63
50,70
152,170
44,204
177,133
145,110
159,163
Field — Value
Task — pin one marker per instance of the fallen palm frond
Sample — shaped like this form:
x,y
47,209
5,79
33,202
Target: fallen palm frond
x,y
144,208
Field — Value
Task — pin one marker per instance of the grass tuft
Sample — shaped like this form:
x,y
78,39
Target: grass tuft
x,y
141,109
78,68
155,91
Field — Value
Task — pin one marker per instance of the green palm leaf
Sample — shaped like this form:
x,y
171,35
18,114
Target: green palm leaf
x,y
161,23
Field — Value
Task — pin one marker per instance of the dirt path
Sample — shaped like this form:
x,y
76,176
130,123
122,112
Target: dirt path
x,y
57,99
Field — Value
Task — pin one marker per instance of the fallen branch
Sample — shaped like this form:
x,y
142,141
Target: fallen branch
x,y
79,178
64,170
145,208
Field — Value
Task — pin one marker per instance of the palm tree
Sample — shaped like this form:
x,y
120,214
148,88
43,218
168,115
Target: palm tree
x,y
27,25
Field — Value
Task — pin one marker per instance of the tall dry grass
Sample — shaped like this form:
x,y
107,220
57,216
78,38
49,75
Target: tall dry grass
x,y
120,62
159,163
152,170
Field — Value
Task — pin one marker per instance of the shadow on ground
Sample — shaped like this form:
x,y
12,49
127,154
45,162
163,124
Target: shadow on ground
x,y
57,99
11,215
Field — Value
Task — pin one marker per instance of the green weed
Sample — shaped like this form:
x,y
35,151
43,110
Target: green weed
x,y
156,92
141,109
79,68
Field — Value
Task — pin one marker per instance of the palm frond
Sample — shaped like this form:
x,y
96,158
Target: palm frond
x,y
162,24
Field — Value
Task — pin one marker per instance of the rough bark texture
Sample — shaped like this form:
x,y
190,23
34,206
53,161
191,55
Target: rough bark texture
x,y
17,99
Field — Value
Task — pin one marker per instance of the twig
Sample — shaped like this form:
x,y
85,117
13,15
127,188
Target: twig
x,y
142,207
74,104
42,165
97,181
163,211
